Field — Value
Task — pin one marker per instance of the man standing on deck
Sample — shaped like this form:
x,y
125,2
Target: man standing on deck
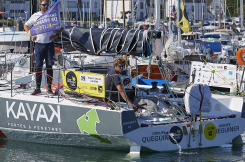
x,y
113,84
44,48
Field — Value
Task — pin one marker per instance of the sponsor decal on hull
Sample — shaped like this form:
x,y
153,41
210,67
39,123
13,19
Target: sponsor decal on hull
x,y
177,134
156,137
25,115
210,131
35,113
227,128
87,123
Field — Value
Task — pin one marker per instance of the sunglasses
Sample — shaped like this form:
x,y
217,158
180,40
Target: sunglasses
x,y
45,5
121,66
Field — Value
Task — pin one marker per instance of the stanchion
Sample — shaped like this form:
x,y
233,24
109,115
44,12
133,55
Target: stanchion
x,y
11,83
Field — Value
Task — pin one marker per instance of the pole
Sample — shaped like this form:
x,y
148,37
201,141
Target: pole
x,y
241,13
83,13
219,14
178,19
123,12
237,7
89,11
225,14
132,13
157,14
100,12
33,9
112,12
202,16
11,80
3,16
105,13
194,20
63,10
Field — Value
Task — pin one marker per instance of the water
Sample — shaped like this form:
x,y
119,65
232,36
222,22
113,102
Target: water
x,y
24,151
172,136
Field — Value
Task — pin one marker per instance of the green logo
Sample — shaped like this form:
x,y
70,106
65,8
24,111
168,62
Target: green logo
x,y
87,123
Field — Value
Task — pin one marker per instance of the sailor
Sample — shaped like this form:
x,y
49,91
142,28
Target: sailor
x,y
113,84
44,48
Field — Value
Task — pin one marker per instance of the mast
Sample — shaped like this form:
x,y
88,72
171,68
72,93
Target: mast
x,y
237,7
3,16
241,13
202,16
225,13
194,12
132,13
79,10
89,15
178,19
100,12
123,12
83,13
105,14
33,9
111,12
157,8
219,15
63,10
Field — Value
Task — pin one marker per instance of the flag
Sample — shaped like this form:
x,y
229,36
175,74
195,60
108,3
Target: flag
x,y
173,12
49,21
184,23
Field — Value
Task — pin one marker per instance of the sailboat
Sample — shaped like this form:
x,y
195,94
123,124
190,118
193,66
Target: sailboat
x,y
80,114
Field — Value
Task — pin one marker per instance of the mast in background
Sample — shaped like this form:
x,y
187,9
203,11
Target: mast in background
x,y
219,14
2,13
157,11
33,9
225,13
202,16
105,14
194,10
123,12
63,10
101,11
241,13
178,20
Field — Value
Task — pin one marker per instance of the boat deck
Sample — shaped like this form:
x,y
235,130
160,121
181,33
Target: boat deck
x,y
64,99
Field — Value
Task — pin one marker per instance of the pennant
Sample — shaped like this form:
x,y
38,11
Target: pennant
x,y
184,23
173,12
49,21
28,34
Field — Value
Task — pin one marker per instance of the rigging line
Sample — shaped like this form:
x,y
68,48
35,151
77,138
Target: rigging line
x,y
222,77
116,9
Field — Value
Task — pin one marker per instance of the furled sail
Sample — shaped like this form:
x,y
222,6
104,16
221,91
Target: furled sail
x,y
97,41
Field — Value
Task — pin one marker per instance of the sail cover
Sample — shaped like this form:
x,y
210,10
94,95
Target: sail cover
x,y
97,41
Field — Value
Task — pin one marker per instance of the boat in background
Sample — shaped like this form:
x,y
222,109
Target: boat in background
x,y
14,42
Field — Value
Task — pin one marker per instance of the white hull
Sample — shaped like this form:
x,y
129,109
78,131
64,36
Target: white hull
x,y
42,119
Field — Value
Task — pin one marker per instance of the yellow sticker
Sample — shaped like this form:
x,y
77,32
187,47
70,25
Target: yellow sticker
x,y
89,83
210,131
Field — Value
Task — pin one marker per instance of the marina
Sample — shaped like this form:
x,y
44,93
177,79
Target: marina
x,y
179,85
